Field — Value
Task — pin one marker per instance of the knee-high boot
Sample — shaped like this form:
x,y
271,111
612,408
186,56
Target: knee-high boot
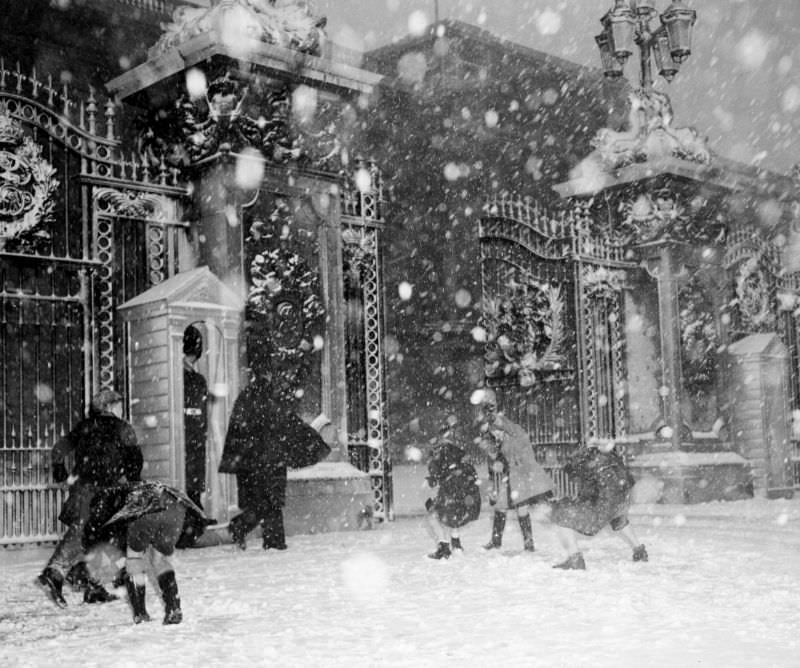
x,y
136,597
498,526
527,532
171,598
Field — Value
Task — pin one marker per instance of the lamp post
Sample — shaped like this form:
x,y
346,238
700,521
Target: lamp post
x,y
666,40
629,24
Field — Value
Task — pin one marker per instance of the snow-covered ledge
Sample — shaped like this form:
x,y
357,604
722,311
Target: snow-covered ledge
x,y
329,496
677,476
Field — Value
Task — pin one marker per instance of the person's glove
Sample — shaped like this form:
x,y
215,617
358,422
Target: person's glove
x,y
60,473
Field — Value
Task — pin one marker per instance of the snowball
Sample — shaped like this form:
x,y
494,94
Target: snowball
x,y
463,298
363,180
304,103
752,50
548,22
452,171
249,169
791,99
477,397
412,67
647,489
479,334
413,453
219,389
405,290
418,23
43,393
196,84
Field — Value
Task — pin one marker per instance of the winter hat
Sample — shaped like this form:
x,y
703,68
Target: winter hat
x,y
104,399
192,342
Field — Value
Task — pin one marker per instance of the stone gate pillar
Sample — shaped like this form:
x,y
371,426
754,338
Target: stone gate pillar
x,y
759,410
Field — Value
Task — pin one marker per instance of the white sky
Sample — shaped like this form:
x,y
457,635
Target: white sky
x,y
741,86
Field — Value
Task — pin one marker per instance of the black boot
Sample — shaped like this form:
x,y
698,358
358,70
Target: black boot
x,y
442,552
498,526
574,562
172,601
95,592
120,578
455,544
238,532
136,597
53,583
527,532
78,576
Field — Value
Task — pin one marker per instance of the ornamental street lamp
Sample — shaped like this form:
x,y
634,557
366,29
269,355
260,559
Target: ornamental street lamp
x,y
628,25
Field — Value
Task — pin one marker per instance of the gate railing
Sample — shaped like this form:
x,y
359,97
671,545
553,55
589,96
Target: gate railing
x,y
57,298
521,240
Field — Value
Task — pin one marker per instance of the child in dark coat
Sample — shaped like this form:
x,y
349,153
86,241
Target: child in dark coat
x,y
458,499
604,484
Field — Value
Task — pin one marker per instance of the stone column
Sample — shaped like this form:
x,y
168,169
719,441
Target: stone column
x,y
334,378
218,203
660,263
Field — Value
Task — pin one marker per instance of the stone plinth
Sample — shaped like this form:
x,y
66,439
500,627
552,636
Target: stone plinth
x,y
691,477
758,386
329,496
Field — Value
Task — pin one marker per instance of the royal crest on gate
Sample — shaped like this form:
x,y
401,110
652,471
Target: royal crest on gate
x,y
26,182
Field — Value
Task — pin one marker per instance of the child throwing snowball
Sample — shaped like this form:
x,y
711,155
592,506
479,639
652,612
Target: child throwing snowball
x,y
604,488
457,500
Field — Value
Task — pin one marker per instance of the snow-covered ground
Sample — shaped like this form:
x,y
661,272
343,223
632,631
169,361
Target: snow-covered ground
x,y
722,589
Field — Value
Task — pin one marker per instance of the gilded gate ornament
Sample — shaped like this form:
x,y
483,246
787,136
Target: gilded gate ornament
x,y
26,184
524,332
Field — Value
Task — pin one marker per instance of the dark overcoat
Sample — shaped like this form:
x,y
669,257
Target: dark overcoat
x,y
458,499
604,487
105,451
264,439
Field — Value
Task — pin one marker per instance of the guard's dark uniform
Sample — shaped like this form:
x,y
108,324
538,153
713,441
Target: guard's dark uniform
x,y
195,426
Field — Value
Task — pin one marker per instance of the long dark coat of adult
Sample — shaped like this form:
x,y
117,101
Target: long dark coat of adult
x,y
105,451
264,439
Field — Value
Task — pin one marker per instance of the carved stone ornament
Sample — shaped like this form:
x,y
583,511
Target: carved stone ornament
x,y
287,23
26,182
753,292
600,281
649,135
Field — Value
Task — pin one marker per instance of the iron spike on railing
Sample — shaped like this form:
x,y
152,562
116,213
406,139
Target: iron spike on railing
x,y
20,78
110,114
35,84
50,90
91,109
65,96
3,73
162,171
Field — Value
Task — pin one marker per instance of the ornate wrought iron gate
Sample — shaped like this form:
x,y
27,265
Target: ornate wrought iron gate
x,y
81,230
553,312
362,222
